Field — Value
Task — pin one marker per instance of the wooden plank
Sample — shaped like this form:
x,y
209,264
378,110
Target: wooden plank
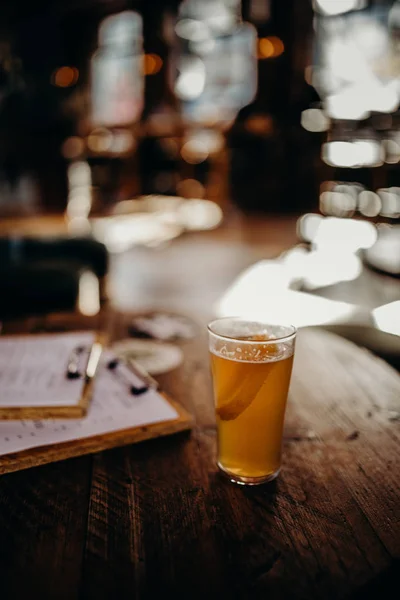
x,y
150,531
43,519
354,420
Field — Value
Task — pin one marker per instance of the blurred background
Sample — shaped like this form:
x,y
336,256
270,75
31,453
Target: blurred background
x,y
252,145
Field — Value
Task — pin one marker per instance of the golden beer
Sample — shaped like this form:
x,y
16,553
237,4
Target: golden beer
x,y
251,377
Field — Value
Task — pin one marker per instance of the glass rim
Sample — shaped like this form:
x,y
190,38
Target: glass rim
x,y
233,338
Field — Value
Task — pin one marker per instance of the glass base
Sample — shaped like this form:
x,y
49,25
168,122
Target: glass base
x,y
242,480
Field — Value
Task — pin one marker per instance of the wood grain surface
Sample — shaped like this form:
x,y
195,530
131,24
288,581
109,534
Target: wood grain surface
x,y
156,519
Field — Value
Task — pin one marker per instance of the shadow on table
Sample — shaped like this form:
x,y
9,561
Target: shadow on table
x,y
266,492
383,585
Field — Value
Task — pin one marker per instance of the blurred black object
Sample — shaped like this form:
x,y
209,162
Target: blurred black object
x,y
84,252
39,276
37,289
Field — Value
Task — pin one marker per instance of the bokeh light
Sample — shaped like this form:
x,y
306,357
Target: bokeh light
x,y
65,77
191,79
337,7
391,148
353,153
390,198
72,147
100,140
369,203
260,124
314,120
270,47
190,188
152,64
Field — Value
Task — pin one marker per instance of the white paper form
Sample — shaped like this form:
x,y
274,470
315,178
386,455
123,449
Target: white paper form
x,y
113,408
33,369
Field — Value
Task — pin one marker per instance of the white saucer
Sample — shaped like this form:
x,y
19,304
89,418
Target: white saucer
x,y
154,357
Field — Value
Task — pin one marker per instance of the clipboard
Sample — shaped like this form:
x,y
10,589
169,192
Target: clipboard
x,y
34,457
114,418
49,411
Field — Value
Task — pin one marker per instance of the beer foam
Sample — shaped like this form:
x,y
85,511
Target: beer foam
x,y
261,353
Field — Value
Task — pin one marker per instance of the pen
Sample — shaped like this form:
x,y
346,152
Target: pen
x,y
142,374
115,366
93,361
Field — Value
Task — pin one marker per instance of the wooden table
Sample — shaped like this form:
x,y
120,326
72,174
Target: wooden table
x,y
157,519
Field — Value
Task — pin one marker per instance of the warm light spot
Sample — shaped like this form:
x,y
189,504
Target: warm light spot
x,y
100,140
199,215
259,124
314,120
152,64
199,144
194,154
72,147
265,48
170,146
65,76
308,74
122,141
190,188
89,294
270,47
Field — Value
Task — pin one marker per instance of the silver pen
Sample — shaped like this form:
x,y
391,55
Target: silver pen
x,y
93,360
142,373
